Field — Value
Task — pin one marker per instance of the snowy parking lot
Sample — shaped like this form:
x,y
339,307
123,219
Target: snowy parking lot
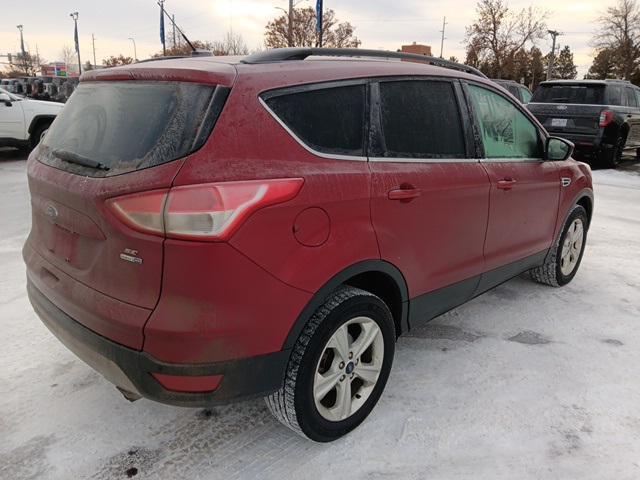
x,y
524,382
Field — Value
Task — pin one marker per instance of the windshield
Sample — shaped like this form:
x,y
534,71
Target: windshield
x,y
580,94
126,126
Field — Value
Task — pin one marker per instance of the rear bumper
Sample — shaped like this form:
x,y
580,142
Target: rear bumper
x,y
131,370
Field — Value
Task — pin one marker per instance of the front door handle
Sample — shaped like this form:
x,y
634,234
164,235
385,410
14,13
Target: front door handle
x,y
404,194
506,183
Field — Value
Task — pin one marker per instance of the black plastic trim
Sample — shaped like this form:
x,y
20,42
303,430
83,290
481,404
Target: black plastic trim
x,y
244,378
430,305
377,266
35,120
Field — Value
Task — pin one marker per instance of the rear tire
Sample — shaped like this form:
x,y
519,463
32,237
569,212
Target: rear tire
x,y
338,367
564,259
613,158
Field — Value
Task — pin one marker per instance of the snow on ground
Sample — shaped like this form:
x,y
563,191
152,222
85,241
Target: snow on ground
x,y
524,382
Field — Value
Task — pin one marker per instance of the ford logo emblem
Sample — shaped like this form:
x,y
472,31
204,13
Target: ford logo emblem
x,y
51,212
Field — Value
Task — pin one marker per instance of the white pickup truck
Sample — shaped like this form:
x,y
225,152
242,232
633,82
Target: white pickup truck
x,y
23,121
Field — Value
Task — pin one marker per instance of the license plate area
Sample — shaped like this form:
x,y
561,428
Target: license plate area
x,y
559,122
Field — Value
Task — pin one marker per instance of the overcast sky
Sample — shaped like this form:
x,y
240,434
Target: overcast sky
x,y
378,23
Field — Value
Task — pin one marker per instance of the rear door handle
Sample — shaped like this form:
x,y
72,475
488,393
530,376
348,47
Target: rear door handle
x,y
506,183
406,194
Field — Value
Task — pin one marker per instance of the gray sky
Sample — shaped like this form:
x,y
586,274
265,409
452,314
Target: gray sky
x,y
379,24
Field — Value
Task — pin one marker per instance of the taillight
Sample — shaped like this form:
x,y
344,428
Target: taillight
x,y
210,211
141,211
606,117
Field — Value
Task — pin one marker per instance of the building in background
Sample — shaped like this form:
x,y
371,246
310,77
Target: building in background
x,y
417,48
59,69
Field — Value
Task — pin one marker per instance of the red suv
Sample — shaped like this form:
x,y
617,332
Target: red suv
x,y
207,229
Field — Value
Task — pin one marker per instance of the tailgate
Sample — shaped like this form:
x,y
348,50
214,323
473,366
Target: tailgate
x,y
112,139
561,118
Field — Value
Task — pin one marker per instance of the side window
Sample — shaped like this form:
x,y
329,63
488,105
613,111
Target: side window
x,y
513,90
631,97
526,95
614,95
506,131
637,96
420,119
329,120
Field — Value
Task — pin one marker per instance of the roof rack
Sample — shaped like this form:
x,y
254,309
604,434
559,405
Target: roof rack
x,y
286,54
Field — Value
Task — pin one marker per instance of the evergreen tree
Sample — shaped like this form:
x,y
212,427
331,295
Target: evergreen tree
x,y
564,67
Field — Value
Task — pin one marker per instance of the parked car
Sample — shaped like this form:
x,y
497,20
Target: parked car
x,y
210,229
24,121
516,89
601,117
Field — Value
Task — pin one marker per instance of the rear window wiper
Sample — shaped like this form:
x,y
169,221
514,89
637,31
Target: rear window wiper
x,y
79,160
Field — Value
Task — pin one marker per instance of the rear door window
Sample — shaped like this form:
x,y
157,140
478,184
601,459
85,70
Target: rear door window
x,y
420,119
525,94
577,94
506,131
127,126
631,97
326,119
615,95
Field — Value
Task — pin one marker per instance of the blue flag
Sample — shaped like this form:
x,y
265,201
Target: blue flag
x,y
162,25
319,16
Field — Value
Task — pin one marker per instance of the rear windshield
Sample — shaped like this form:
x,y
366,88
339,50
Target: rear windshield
x,y
581,94
119,127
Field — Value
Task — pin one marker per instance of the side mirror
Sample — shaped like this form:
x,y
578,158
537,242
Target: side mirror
x,y
558,149
4,98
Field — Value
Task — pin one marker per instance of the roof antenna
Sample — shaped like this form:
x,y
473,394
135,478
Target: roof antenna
x,y
194,51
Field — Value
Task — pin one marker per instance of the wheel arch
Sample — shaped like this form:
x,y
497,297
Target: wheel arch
x,y
38,120
375,276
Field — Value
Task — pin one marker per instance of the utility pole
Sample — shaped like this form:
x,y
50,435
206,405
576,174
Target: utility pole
x,y
290,32
93,41
74,15
173,20
444,24
37,57
552,56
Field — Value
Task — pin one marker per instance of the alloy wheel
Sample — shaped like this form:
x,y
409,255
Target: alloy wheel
x,y
348,369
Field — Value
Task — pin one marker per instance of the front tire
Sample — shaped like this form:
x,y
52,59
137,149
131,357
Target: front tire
x,y
338,367
562,264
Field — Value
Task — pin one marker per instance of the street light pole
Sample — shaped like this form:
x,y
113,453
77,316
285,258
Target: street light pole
x,y
24,54
74,15
135,51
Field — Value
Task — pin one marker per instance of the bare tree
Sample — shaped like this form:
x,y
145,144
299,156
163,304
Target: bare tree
x,y
68,55
498,33
334,34
232,44
620,33
24,65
